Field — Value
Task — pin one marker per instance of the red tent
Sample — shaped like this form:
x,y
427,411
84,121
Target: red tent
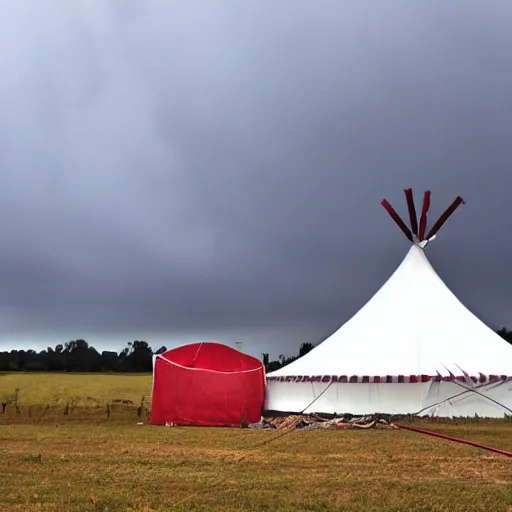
x,y
207,384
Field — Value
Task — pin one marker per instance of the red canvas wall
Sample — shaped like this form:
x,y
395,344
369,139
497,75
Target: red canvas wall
x,y
207,384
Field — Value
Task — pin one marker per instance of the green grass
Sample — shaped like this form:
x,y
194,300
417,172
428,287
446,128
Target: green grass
x,y
100,464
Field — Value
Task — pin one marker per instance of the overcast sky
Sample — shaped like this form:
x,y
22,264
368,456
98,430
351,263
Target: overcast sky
x,y
173,171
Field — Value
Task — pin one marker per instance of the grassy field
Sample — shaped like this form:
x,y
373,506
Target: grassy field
x,y
105,465
81,389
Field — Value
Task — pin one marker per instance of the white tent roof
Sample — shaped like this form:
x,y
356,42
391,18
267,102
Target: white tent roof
x,y
414,325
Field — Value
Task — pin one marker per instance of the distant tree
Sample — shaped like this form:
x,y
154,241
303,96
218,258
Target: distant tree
x,y
77,356
110,361
15,361
305,348
94,361
140,357
272,366
505,334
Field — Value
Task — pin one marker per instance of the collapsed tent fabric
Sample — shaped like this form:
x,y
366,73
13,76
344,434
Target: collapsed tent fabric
x,y
207,384
414,348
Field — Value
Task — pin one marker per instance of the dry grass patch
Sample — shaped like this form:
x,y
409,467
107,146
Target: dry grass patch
x,y
87,467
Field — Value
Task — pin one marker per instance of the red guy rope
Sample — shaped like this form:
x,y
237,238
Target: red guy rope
x,y
455,439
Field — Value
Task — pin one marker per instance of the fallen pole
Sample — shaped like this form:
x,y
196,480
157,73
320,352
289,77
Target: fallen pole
x,y
455,439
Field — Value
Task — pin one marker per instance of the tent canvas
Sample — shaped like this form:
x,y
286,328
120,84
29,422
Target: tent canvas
x,y
414,348
207,384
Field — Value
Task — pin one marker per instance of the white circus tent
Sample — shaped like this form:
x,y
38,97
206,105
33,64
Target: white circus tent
x,y
414,348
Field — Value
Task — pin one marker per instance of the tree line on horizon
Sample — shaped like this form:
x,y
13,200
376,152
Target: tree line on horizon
x,y
79,356
137,356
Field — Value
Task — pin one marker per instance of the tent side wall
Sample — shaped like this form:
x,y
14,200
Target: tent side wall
x,y
189,396
436,398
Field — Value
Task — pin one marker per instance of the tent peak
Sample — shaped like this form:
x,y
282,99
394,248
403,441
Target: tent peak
x,y
416,232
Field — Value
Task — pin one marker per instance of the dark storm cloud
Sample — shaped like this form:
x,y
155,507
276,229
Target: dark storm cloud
x,y
221,164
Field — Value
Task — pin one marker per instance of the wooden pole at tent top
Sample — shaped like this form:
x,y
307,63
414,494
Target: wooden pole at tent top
x,y
417,233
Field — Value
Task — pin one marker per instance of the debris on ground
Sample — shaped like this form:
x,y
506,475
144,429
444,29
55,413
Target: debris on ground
x,y
316,422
